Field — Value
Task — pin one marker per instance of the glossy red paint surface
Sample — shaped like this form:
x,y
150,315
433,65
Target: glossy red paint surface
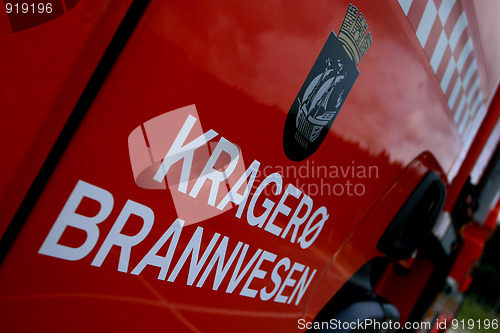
x,y
44,71
242,65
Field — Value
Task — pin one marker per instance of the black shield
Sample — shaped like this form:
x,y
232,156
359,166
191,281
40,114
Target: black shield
x,y
319,100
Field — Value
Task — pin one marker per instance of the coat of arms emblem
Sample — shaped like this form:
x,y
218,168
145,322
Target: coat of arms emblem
x,y
326,87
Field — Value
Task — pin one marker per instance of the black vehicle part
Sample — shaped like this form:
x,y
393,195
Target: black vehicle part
x,y
442,261
364,316
488,187
414,221
356,308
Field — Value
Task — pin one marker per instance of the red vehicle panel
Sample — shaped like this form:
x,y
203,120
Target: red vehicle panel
x,y
169,201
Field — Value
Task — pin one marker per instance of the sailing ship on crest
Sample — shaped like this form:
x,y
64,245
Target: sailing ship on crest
x,y
315,110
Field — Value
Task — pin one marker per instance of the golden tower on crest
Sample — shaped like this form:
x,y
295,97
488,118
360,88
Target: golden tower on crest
x,y
353,35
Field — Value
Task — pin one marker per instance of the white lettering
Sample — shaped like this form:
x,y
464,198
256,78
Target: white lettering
x,y
185,152
282,208
288,282
257,273
214,175
276,278
193,248
151,258
234,196
268,204
69,217
302,286
310,229
296,221
125,242
237,276
222,269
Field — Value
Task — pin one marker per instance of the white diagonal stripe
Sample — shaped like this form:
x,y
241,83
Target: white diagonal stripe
x,y
472,91
425,25
475,105
464,121
448,74
445,9
470,72
457,31
467,132
477,119
405,5
454,94
475,124
437,55
461,107
477,116
480,114
464,54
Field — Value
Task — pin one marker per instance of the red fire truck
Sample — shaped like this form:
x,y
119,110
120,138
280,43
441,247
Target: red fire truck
x,y
276,166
